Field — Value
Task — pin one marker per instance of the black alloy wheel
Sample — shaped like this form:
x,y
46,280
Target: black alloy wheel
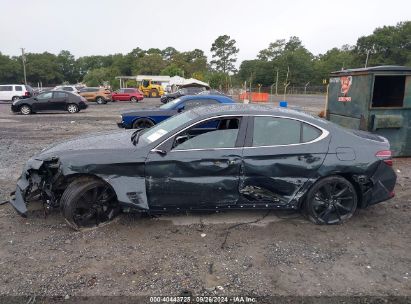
x,y
89,202
331,200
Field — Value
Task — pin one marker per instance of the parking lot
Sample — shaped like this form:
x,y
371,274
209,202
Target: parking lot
x,y
252,253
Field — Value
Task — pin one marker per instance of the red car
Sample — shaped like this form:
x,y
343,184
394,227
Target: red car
x,y
130,94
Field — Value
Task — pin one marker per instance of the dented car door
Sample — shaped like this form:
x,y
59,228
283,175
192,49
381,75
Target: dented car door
x,y
280,155
198,168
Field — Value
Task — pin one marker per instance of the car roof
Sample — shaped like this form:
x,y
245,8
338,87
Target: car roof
x,y
57,91
221,98
254,109
13,84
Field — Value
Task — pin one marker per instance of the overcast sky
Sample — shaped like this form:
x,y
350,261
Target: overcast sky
x,y
101,27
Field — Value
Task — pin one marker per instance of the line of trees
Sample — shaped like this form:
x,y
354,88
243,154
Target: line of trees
x,y
386,45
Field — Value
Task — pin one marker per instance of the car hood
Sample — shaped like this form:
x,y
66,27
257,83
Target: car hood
x,y
148,112
113,140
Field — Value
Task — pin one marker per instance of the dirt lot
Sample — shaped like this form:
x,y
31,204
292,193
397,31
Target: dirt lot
x,y
283,254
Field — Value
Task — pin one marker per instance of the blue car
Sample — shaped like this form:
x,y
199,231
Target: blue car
x,y
146,118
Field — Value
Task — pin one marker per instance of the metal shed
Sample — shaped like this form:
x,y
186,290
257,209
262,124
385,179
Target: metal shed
x,y
375,99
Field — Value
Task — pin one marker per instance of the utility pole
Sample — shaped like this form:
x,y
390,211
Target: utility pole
x,y
366,59
276,85
23,58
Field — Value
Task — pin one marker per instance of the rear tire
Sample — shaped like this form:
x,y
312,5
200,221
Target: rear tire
x,y
331,200
88,202
14,98
143,123
133,99
72,108
25,110
100,100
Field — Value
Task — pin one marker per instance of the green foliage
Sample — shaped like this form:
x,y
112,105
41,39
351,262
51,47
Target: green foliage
x,y
217,80
172,70
285,56
99,76
68,68
43,67
224,54
333,60
11,71
151,64
386,46
168,53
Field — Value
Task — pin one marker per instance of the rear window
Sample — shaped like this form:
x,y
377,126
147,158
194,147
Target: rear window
x,y
60,95
275,131
309,133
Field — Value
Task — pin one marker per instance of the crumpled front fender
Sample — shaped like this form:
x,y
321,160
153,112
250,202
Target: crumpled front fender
x,y
29,181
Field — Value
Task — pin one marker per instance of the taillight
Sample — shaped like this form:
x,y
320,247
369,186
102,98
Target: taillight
x,y
27,94
385,155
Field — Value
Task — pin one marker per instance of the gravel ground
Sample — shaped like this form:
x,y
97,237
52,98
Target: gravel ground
x,y
283,254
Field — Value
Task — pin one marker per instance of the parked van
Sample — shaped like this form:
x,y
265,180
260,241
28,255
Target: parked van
x,y
12,92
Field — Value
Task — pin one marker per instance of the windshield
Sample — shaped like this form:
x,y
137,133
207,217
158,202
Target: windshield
x,y
170,105
165,127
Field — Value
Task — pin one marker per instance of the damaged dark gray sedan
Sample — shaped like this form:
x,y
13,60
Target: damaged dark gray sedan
x,y
216,157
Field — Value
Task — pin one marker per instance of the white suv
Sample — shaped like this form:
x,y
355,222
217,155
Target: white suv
x,y
68,88
14,92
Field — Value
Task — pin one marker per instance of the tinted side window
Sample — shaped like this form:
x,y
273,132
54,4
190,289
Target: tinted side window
x,y
309,132
18,88
213,134
60,95
129,90
271,131
6,88
45,95
68,89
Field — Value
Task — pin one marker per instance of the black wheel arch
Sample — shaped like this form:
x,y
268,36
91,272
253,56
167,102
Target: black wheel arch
x,y
350,177
25,104
138,118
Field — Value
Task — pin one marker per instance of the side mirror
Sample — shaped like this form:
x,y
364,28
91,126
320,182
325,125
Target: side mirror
x,y
181,139
180,110
35,98
159,151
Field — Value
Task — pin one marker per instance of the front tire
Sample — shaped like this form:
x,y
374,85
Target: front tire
x,y
25,110
133,99
331,200
143,123
100,100
88,202
72,108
